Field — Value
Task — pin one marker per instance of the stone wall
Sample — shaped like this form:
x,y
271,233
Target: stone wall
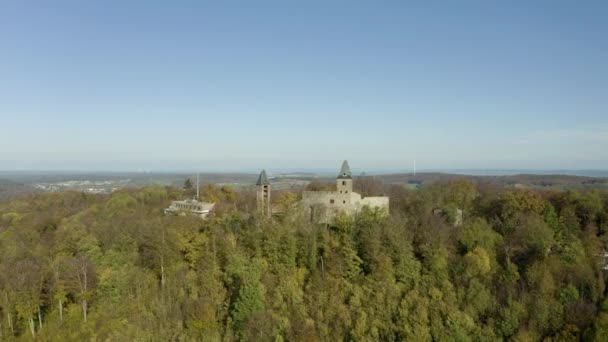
x,y
375,202
323,206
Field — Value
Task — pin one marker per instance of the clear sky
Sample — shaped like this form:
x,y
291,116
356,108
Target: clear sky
x,y
170,85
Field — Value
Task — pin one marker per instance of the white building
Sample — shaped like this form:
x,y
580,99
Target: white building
x,y
190,207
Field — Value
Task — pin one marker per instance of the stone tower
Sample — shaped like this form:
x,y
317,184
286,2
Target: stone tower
x,y
344,182
263,194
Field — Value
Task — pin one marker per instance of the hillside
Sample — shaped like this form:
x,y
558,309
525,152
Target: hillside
x,y
524,265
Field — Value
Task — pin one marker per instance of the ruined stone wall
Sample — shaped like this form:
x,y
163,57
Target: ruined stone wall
x,y
323,206
375,202
331,199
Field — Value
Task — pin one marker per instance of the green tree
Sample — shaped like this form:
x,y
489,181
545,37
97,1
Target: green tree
x,y
187,184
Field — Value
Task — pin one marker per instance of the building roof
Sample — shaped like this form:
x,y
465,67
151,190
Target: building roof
x,y
345,171
262,179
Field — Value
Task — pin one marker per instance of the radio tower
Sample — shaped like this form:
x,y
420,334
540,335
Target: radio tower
x,y
197,187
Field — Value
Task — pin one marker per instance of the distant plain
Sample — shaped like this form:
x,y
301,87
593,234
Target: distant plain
x,y
14,183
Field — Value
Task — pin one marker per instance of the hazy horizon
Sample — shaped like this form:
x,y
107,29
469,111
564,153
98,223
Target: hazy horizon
x,y
315,166
320,171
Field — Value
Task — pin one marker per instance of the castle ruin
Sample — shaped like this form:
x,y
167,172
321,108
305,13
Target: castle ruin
x,y
323,206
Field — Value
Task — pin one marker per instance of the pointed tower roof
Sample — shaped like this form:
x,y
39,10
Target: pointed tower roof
x,y
262,179
345,171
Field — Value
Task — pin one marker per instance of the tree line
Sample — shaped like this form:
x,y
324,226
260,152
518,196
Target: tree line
x,y
523,265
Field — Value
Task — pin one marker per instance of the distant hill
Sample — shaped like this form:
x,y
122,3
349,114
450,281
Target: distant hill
x,y
557,182
10,189
15,183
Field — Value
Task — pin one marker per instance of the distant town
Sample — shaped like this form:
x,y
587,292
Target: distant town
x,y
93,187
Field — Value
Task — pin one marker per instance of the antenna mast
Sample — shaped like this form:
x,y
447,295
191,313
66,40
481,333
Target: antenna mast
x,y
197,186
414,167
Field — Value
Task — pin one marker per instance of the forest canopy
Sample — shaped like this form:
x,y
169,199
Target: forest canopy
x,y
522,265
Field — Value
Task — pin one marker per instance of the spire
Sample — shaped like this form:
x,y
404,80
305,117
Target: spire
x,y
345,171
262,179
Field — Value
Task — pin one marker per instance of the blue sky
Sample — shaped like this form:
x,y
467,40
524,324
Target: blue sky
x,y
218,85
